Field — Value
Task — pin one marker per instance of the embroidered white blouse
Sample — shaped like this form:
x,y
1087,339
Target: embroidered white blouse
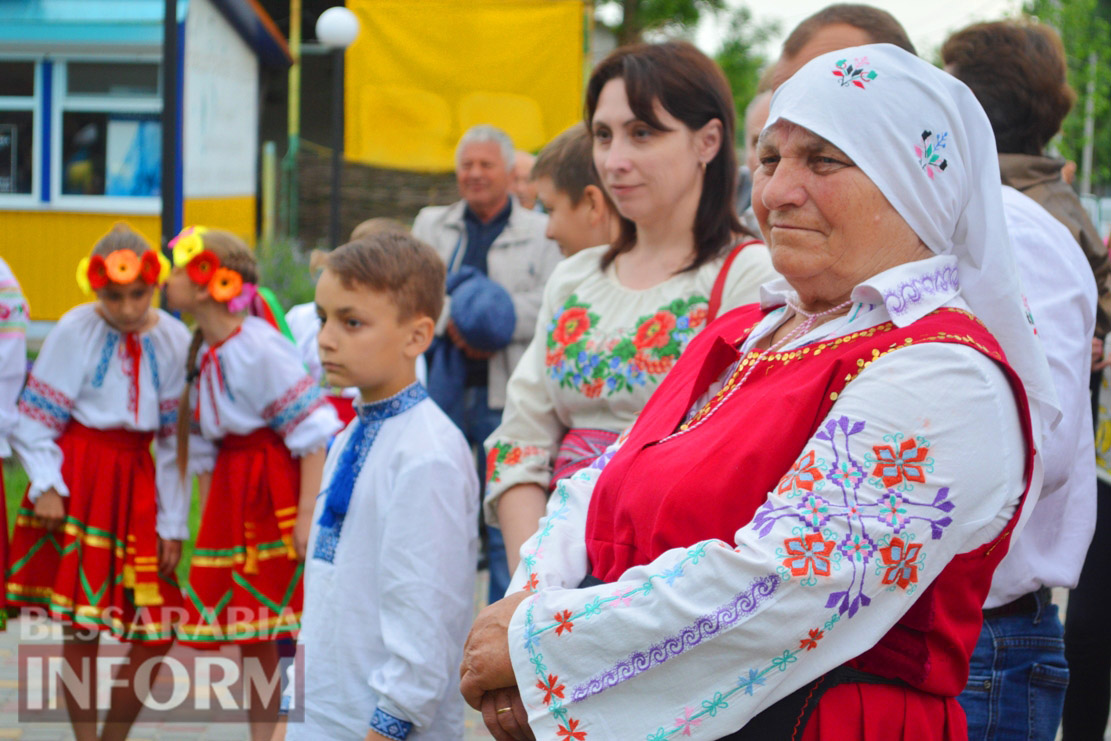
x,y
385,619
703,638
253,379
84,372
13,353
599,351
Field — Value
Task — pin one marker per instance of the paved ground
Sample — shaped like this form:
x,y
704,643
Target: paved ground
x,y
10,728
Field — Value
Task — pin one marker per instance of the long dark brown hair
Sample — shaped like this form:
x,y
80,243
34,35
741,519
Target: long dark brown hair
x,y
693,89
233,254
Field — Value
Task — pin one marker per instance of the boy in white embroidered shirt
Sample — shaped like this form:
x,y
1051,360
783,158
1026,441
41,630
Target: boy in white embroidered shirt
x,y
389,579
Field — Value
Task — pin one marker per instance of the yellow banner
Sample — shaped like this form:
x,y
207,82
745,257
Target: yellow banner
x,y
424,71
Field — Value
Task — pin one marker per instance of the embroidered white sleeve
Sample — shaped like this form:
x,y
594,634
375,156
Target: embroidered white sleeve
x,y
555,555
47,401
697,642
13,353
521,449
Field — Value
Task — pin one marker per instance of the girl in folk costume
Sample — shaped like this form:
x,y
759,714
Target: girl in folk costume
x,y
98,534
13,366
266,426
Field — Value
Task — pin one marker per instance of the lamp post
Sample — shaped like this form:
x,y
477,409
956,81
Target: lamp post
x,y
336,28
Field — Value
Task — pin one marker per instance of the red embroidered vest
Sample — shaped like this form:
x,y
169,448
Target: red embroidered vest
x,y
709,481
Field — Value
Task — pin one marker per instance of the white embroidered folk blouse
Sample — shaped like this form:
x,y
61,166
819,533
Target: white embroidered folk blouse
x,y
13,353
599,351
85,372
254,379
703,638
386,617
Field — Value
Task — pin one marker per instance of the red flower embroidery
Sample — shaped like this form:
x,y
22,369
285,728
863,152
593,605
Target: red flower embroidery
x,y
811,641
593,389
902,563
568,733
550,689
803,475
698,316
572,325
514,457
531,584
655,332
655,367
565,623
809,554
554,356
893,467
492,464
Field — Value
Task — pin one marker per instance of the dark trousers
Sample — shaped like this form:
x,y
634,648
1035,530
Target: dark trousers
x,y
1088,635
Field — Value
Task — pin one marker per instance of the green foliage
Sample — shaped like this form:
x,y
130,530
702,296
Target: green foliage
x,y
1085,28
639,16
284,268
741,63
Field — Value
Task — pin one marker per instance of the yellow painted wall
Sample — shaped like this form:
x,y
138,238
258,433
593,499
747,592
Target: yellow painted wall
x,y
44,247
236,214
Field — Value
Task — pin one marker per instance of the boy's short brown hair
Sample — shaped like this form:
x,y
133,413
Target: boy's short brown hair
x,y
395,263
569,161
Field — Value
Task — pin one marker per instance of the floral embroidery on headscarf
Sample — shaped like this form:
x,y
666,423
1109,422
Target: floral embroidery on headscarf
x,y
928,152
856,73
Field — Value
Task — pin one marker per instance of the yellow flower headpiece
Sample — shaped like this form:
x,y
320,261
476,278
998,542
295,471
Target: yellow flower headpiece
x,y
121,267
187,245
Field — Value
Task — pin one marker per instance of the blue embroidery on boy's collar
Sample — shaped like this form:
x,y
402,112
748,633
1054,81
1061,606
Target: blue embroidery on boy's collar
x,y
393,406
337,497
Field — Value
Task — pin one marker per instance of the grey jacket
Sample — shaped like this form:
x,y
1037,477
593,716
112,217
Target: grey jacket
x,y
520,260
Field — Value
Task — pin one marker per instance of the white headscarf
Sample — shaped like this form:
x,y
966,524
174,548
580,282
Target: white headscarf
x,y
921,137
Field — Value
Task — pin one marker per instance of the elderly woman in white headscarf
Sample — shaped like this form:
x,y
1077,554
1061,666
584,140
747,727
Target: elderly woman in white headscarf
x,y
796,537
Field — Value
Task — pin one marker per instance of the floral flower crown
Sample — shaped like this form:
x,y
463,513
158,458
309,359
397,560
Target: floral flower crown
x,y
121,267
203,266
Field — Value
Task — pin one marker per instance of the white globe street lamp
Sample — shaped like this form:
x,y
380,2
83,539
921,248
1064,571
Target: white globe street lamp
x,y
336,28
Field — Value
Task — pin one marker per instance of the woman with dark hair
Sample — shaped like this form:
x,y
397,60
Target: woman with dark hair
x,y
615,317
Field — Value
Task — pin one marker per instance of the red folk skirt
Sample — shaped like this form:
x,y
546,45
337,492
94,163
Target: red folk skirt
x,y
100,569
3,546
245,579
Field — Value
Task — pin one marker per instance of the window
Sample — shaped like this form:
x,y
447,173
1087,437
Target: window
x,y
17,127
110,130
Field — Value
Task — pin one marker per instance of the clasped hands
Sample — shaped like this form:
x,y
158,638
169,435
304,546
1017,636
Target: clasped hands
x,y
486,676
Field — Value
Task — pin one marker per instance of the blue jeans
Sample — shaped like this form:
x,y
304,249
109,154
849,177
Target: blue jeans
x,y
1017,678
479,422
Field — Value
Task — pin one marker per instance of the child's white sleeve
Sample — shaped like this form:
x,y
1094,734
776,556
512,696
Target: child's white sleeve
x,y
428,536
46,404
290,400
13,353
173,490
